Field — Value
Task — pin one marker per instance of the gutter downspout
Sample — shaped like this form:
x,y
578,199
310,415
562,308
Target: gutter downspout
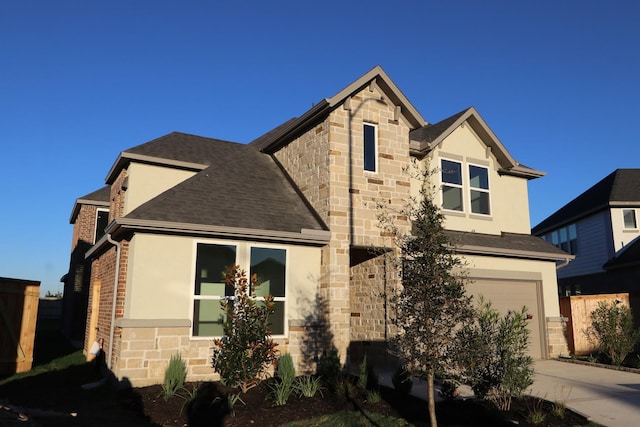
x,y
563,264
115,297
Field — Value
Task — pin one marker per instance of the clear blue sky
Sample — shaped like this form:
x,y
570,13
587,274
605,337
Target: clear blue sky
x,y
80,81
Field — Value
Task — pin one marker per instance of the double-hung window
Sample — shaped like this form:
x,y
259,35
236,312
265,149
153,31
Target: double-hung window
x,y
451,185
479,189
212,260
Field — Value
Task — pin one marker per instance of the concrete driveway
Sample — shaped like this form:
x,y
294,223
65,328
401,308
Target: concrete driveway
x,y
606,396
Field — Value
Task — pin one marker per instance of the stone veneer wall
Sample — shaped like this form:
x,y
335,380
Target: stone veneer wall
x,y
327,164
557,337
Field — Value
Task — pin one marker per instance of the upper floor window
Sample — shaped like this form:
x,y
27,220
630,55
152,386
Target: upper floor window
x,y
453,187
269,265
102,220
370,148
565,238
629,218
479,189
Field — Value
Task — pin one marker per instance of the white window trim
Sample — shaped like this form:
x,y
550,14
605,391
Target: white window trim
x,y
243,259
95,223
488,191
460,186
375,148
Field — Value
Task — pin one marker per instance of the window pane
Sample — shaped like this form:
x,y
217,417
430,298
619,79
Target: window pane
x,y
573,232
452,198
369,148
211,263
208,318
451,172
480,202
269,265
276,320
478,177
629,218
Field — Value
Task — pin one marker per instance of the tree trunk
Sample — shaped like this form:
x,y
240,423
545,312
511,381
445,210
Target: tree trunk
x,y
431,399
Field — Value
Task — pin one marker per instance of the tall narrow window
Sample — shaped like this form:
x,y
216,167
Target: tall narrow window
x,y
102,220
451,185
479,189
369,132
210,288
629,218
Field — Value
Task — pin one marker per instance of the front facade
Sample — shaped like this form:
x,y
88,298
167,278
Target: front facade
x,y
601,228
298,206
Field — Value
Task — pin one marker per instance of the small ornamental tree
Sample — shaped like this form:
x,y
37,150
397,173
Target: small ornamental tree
x,y
246,349
612,330
432,301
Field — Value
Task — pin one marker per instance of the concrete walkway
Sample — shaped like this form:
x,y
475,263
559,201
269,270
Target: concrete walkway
x,y
606,396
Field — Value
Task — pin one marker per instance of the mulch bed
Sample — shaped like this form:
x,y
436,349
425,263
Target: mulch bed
x,y
58,399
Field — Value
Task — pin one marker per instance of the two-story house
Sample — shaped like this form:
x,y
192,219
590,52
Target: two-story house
x,y
601,228
297,206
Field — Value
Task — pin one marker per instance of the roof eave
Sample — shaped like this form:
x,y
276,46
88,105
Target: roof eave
x,y
305,236
503,252
79,203
125,158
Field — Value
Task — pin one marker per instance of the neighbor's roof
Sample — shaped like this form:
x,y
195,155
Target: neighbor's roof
x,y
629,256
506,244
426,138
618,189
97,198
236,191
284,133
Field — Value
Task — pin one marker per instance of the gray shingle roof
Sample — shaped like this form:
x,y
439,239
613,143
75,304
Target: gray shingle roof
x,y
430,133
97,198
241,188
622,185
508,244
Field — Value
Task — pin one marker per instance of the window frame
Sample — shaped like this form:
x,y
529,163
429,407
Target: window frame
x,y
243,259
624,219
478,189
444,184
365,147
95,224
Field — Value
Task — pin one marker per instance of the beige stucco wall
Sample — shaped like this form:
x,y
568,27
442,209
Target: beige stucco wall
x,y
509,200
622,236
160,279
522,269
148,181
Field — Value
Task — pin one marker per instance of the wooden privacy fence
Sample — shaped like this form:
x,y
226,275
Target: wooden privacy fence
x,y
18,314
577,309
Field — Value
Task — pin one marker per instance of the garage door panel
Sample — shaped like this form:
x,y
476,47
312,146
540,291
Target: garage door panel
x,y
512,295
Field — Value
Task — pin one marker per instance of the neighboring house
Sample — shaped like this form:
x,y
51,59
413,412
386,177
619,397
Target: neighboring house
x,y
600,227
89,217
297,206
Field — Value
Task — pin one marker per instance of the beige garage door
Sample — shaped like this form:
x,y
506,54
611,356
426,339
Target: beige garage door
x,y
508,295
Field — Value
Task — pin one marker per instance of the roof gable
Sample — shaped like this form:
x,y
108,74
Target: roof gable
x,y
426,138
240,188
175,149
97,198
619,188
284,133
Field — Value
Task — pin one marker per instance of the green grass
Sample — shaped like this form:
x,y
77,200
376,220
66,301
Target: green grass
x,y
73,359
351,419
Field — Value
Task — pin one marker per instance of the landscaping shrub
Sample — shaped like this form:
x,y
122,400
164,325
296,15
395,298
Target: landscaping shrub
x,y
174,376
613,331
308,386
246,349
329,367
282,388
496,364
